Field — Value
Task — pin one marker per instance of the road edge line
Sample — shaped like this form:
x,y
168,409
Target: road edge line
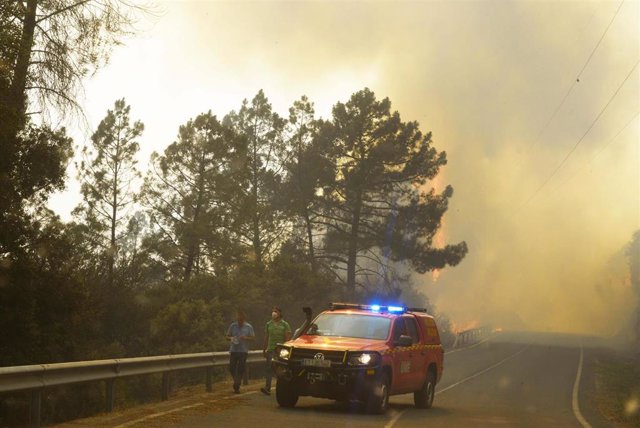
x,y
575,403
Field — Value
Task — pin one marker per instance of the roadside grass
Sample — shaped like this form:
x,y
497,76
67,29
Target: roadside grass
x,y
618,389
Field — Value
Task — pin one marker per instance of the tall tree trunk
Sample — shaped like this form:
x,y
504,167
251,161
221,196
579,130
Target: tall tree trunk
x,y
353,243
13,106
312,256
305,210
194,239
114,213
19,82
257,242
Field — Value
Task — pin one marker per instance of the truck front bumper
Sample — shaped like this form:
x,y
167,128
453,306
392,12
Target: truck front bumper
x,y
338,382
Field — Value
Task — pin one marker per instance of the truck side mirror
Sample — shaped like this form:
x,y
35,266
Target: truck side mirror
x,y
404,341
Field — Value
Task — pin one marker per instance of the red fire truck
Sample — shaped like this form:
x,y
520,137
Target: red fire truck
x,y
364,353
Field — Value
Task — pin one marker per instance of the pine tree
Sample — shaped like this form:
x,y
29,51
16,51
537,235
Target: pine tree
x,y
261,130
107,175
189,192
306,170
378,209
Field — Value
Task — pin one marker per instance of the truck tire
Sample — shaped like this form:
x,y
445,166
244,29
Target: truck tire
x,y
378,398
286,395
423,398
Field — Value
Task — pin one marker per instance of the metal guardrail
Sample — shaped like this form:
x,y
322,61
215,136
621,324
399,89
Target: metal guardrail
x,y
37,377
472,335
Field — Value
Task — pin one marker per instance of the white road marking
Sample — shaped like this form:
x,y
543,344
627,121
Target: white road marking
x,y
394,419
482,371
190,406
397,416
576,387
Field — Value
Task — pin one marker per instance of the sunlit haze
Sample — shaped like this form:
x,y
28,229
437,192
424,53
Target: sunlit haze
x,y
545,244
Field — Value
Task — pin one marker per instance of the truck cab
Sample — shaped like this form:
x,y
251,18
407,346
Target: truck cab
x,y
366,353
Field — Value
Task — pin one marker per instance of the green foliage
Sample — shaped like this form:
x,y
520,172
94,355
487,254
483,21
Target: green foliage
x,y
378,210
40,297
306,170
107,174
251,212
191,193
53,45
46,48
261,131
189,325
36,170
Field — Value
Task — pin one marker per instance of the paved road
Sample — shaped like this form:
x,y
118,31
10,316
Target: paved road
x,y
508,380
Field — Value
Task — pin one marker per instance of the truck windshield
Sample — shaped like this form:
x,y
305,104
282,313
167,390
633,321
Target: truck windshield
x,y
351,325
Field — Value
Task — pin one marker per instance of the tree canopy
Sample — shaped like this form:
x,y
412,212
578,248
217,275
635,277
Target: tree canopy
x,y
379,207
248,211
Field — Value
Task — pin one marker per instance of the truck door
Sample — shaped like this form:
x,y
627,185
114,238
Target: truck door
x,y
417,354
401,360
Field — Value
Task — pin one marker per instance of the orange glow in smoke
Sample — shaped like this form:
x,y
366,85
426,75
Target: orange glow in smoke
x,y
458,326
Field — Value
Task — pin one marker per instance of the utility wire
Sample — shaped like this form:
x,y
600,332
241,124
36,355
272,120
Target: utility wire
x,y
575,146
599,41
577,80
615,137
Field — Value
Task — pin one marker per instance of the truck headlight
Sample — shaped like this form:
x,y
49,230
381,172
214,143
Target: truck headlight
x,y
284,353
364,359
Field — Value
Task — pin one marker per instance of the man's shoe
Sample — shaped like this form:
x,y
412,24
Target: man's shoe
x,y
236,389
265,391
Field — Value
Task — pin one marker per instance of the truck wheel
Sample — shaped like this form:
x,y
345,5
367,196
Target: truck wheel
x,y
286,395
423,398
378,399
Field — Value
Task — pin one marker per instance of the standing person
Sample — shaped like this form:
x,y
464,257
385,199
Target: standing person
x,y
239,334
308,317
276,331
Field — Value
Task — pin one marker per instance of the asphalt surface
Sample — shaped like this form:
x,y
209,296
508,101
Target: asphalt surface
x,y
510,379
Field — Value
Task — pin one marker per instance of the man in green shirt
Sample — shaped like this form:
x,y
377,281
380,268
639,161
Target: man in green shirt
x,y
276,331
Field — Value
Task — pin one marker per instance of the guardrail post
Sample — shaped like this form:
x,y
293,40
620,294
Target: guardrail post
x,y
209,379
109,395
34,408
165,386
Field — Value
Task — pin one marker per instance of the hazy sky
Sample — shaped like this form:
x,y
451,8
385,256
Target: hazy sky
x,y
485,78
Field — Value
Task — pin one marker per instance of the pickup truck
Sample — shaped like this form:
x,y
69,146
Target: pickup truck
x,y
365,353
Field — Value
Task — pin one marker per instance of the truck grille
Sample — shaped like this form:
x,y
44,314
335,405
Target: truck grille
x,y
333,356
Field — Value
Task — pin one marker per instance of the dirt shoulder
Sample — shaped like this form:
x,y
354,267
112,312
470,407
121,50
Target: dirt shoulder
x,y
617,391
182,402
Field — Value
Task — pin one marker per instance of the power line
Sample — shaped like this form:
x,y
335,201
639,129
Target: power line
x,y
599,41
577,80
615,137
575,146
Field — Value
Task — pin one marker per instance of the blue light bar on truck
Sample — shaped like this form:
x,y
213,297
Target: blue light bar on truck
x,y
375,308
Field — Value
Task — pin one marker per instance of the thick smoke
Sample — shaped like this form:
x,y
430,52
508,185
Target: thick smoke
x,y
485,78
